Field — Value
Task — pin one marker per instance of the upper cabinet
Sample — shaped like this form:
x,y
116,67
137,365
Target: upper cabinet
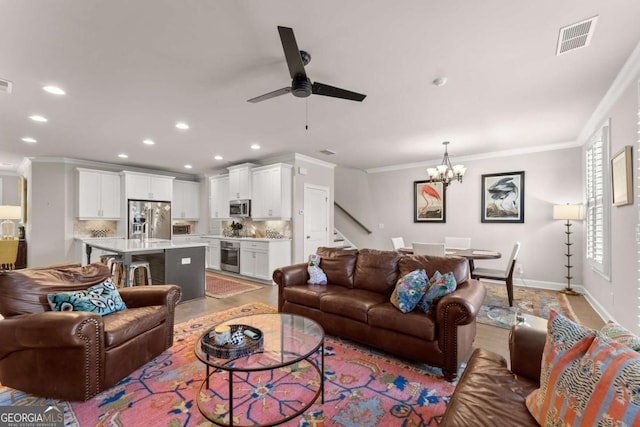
x,y
186,200
272,186
98,194
219,197
142,186
240,181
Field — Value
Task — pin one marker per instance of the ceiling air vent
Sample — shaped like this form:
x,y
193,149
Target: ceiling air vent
x,y
576,35
328,152
5,86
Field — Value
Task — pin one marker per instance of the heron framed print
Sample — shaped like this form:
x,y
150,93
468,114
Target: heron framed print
x,y
429,202
503,197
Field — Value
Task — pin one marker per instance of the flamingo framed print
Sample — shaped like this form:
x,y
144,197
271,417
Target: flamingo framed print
x,y
503,197
429,202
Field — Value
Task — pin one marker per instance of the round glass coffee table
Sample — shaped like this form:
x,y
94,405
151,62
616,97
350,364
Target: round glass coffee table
x,y
279,380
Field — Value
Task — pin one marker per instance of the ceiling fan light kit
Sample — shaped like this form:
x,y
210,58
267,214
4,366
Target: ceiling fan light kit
x,y
301,85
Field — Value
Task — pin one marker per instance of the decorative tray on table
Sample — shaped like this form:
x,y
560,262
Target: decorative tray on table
x,y
252,343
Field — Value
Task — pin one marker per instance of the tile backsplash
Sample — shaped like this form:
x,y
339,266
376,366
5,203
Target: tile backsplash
x,y
270,229
95,228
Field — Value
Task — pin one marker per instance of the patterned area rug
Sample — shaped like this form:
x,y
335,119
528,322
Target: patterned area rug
x,y
495,310
363,387
224,287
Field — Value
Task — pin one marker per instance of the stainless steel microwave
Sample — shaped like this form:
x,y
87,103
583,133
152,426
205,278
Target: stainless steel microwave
x,y
240,208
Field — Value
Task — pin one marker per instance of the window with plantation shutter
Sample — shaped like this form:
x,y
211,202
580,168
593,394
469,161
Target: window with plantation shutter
x,y
597,196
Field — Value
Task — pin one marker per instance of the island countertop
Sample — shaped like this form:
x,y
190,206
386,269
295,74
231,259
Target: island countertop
x,y
122,245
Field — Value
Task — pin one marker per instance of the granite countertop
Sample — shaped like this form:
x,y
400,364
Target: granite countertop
x,y
254,239
137,245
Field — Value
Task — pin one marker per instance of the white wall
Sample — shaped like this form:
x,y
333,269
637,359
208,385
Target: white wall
x,y
618,298
10,191
551,177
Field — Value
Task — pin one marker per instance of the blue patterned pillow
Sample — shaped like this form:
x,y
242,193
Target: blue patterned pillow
x,y
409,289
439,286
102,298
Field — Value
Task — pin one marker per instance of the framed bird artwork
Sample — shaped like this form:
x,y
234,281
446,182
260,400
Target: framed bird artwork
x,y
503,197
429,202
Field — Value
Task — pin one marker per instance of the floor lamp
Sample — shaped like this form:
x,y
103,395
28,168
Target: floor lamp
x,y
9,213
569,213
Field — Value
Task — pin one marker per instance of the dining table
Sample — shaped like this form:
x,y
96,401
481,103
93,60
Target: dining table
x,y
470,254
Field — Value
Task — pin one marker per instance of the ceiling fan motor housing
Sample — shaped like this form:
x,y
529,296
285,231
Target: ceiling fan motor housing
x,y
301,87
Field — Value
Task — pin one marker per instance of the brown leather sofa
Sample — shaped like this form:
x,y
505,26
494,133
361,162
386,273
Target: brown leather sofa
x,y
489,394
355,304
75,355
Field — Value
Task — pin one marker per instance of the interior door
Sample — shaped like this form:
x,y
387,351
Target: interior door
x,y
316,218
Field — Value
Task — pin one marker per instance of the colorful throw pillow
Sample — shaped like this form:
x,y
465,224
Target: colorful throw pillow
x,y
619,333
408,291
102,299
439,286
586,379
316,275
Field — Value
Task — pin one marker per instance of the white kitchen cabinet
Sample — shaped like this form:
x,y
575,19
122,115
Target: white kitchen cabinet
x,y
98,194
260,258
141,186
272,188
213,254
219,197
186,200
240,181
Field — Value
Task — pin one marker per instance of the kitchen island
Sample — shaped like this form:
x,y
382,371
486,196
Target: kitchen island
x,y
178,263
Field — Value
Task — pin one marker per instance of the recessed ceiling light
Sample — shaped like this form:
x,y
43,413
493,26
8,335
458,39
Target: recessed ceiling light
x,y
37,118
218,157
123,156
29,140
255,146
188,166
182,125
54,90
148,142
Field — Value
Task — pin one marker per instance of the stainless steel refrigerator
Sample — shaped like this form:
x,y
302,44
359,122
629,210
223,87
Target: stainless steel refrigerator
x,y
152,219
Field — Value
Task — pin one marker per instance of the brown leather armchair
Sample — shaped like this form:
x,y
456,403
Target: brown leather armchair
x,y
74,355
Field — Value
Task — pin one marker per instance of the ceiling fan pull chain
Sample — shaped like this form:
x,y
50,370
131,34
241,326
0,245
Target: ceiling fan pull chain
x,y
306,119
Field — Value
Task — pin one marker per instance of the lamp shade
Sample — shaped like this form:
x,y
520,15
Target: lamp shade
x,y
568,212
10,212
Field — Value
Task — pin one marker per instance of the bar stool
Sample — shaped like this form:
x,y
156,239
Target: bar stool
x,y
114,262
131,276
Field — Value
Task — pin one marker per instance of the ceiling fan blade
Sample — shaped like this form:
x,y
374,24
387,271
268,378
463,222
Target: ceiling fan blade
x,y
270,95
336,92
291,52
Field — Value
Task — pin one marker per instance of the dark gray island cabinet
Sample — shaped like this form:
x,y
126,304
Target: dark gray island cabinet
x,y
177,263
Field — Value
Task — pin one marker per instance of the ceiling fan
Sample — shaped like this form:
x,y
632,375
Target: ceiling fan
x,y
301,86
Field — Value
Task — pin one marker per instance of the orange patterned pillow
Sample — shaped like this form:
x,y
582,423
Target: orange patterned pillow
x,y
586,379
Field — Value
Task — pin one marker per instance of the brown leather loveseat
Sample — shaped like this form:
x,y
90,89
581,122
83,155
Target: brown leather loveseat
x,y
355,304
74,355
489,394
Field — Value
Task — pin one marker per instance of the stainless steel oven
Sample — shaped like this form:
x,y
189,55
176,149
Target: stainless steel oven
x,y
230,256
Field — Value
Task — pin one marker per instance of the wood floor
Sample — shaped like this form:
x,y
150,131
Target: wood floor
x,y
489,337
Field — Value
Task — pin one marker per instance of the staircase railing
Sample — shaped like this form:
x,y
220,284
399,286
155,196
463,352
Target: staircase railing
x,y
364,227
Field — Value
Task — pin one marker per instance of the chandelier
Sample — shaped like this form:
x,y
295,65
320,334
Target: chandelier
x,y
445,173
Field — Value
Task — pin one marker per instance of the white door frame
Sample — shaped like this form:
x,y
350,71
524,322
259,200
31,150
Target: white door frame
x,y
328,216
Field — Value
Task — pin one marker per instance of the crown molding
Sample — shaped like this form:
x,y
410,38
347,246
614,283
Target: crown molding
x,y
628,74
482,156
115,167
293,157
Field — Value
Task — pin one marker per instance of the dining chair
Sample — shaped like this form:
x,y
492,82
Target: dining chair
x,y
502,275
457,242
436,249
8,254
397,242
